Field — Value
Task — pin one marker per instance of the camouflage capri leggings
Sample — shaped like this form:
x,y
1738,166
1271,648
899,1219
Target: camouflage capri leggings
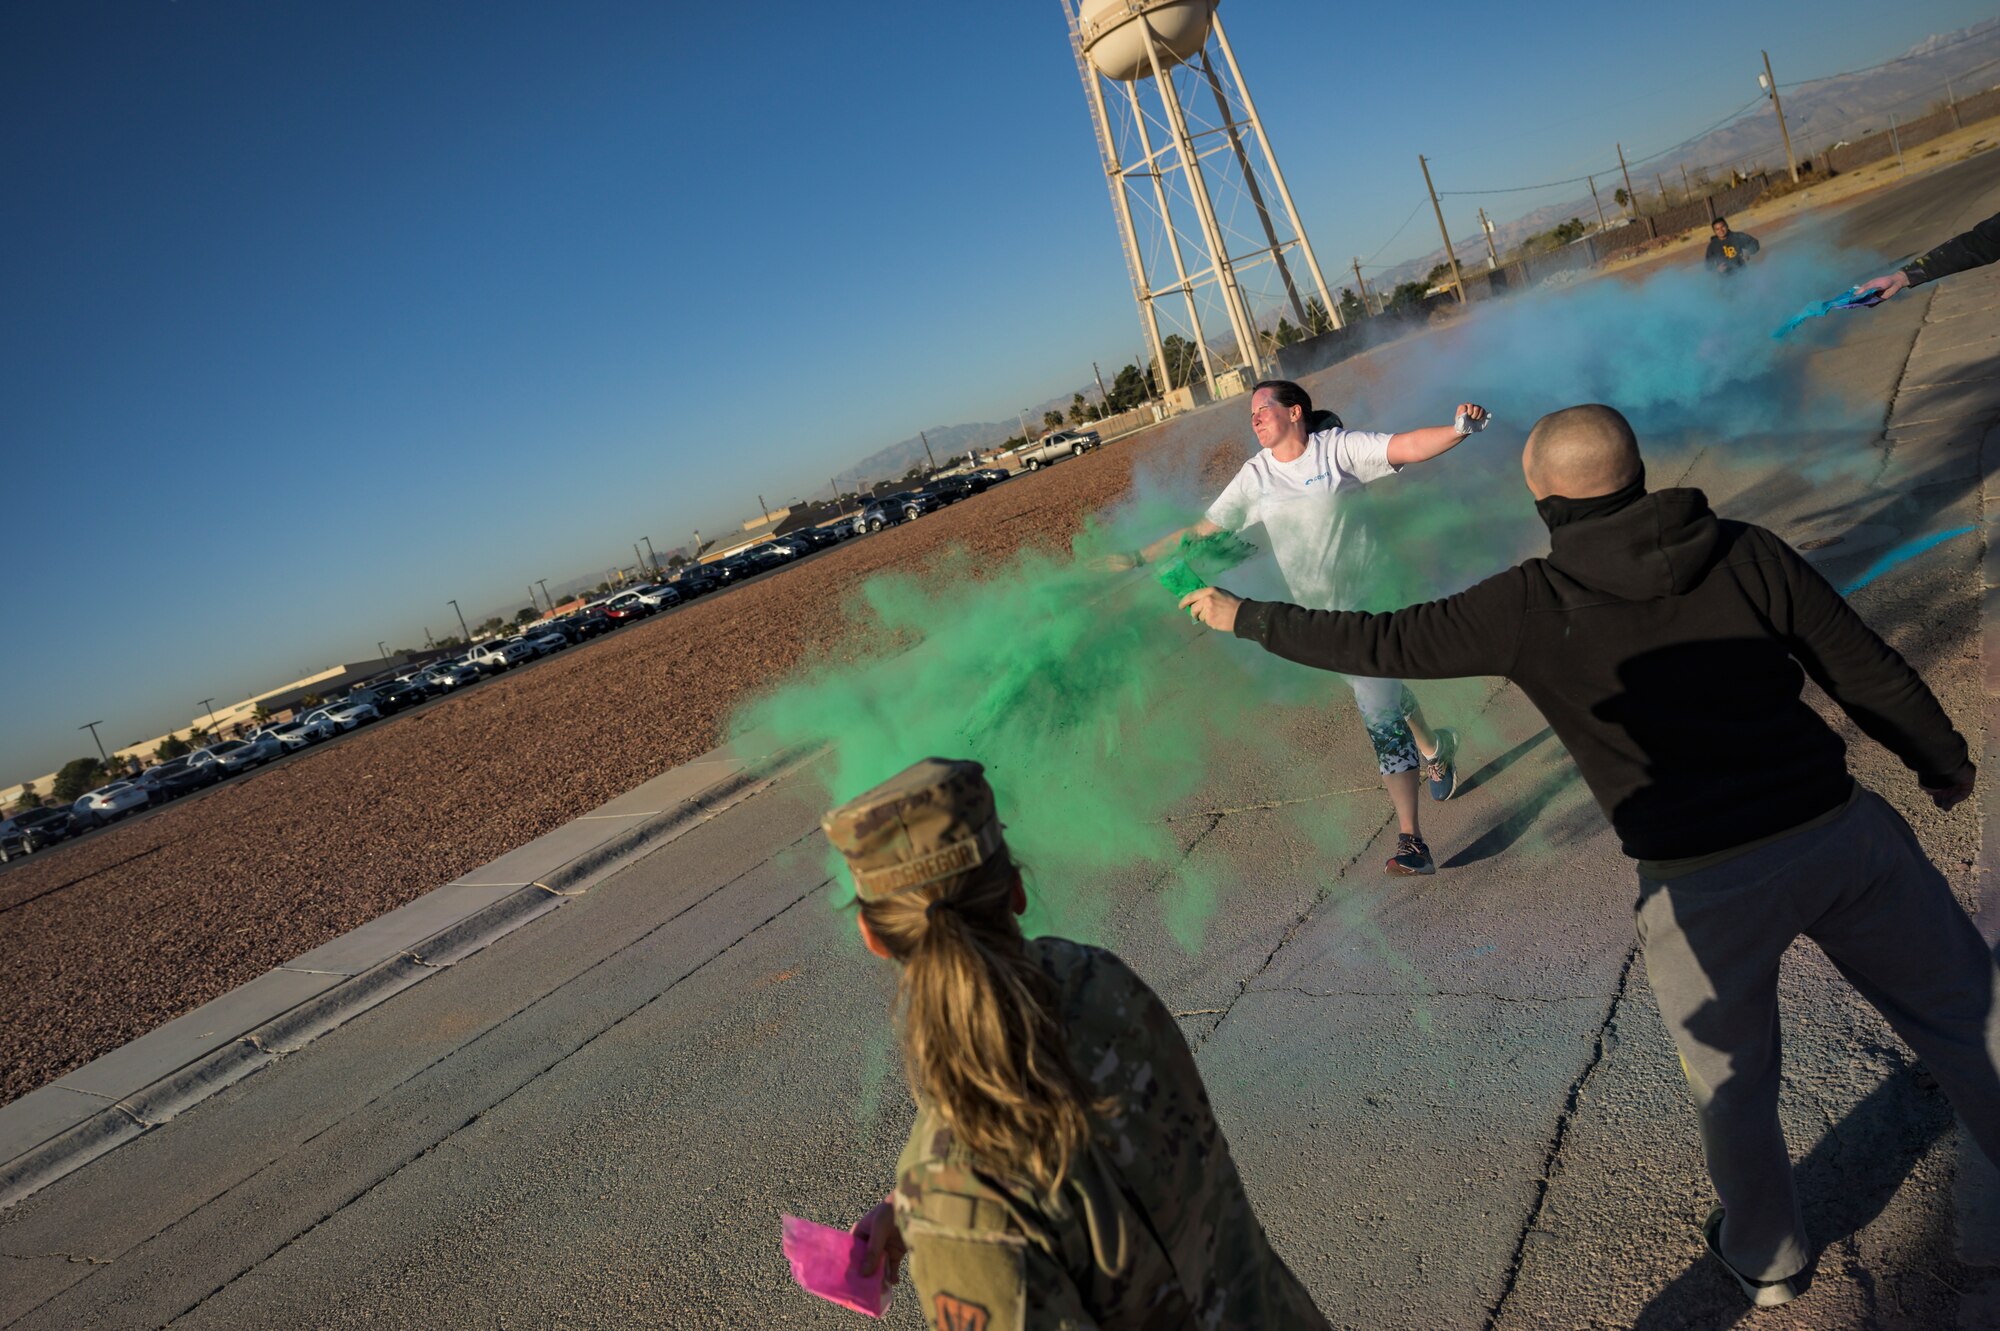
x,y
1385,705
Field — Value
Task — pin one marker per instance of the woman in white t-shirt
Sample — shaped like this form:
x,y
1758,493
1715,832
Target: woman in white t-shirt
x,y
1296,487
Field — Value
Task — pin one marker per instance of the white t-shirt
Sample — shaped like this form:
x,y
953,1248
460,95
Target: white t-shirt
x,y
1323,553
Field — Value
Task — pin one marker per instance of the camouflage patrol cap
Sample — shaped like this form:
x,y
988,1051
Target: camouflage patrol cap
x,y
930,821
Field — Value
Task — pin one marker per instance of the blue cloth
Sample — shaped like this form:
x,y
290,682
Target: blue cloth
x,y
1846,300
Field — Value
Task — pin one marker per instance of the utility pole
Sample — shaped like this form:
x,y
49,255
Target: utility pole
x,y
1486,229
1597,201
430,643
543,583
638,558
697,545
1771,86
533,604
1022,413
1663,189
1451,257
1687,190
467,639
763,509
926,439
92,726
649,550
1362,284
1104,398
209,703
1631,199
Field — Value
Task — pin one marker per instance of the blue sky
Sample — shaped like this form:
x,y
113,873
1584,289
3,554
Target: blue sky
x,y
320,315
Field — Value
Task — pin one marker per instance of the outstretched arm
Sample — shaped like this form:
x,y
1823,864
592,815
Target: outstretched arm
x,y
1981,245
1423,445
1147,554
1477,632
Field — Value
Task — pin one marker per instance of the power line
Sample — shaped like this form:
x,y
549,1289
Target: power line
x,y
1369,262
1551,184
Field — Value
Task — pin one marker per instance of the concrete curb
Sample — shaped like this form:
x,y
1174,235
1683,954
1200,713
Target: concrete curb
x,y
132,1116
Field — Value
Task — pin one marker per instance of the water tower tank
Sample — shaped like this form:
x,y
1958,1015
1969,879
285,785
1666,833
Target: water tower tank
x,y
1115,39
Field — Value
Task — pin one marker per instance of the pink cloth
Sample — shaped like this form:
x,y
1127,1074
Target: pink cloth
x,y
824,1262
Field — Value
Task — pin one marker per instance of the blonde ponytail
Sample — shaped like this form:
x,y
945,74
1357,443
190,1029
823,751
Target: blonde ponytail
x,y
981,1041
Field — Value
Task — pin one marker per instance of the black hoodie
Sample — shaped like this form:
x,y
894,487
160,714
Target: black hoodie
x,y
1668,649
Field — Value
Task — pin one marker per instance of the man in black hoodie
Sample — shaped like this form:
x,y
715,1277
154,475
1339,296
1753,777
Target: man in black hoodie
x,y
1663,643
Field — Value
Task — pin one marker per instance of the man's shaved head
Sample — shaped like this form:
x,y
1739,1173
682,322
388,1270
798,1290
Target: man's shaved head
x,y
1581,452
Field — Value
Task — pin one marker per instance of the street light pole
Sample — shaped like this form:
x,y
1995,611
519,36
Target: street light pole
x,y
649,550
209,703
467,639
543,583
92,726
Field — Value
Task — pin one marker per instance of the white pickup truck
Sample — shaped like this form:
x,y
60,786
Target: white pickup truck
x,y
1057,444
492,657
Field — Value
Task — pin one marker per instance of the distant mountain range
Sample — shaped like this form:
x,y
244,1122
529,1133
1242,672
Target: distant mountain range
x,y
1819,114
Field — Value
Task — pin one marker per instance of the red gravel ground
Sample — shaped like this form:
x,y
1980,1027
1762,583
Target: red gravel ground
x,y
108,939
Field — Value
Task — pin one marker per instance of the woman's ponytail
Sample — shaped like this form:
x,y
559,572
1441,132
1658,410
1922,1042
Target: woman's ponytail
x,y
980,1037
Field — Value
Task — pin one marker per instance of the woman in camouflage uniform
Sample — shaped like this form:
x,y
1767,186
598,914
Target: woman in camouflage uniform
x,y
1065,1169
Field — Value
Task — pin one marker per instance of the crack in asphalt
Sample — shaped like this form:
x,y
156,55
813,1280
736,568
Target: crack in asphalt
x,y
1428,993
1606,1041
1270,804
75,1258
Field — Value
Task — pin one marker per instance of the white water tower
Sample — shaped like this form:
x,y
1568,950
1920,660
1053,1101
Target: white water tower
x,y
1191,172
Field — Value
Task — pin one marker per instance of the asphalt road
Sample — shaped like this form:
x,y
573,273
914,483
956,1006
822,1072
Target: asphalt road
x,y
1452,1099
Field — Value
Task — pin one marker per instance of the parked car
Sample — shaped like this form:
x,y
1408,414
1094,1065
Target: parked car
x,y
448,675
890,509
396,697
111,802
240,755
662,594
589,623
696,580
951,489
818,538
735,568
295,735
178,776
549,640
628,606
26,833
345,716
490,658
992,475
178,781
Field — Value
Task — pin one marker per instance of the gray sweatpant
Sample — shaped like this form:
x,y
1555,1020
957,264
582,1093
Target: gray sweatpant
x,y
1863,890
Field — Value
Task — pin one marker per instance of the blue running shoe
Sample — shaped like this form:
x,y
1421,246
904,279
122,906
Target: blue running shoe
x,y
1441,768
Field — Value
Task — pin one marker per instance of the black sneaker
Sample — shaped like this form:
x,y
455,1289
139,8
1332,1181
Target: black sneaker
x,y
1761,1293
1412,856
1441,768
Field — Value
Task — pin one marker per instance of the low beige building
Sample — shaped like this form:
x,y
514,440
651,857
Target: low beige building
x,y
227,721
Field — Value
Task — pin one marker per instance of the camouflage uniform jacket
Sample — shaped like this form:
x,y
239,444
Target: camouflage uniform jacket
x,y
1151,1229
